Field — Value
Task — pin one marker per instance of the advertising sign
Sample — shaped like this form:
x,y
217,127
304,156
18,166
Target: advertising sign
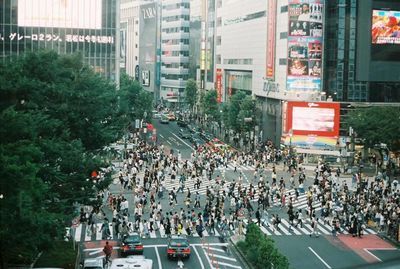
x,y
146,78
122,61
219,85
271,26
319,119
75,14
385,27
305,45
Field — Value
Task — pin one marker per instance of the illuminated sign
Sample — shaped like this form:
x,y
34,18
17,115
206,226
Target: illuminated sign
x,y
385,27
75,14
219,85
100,39
317,118
271,24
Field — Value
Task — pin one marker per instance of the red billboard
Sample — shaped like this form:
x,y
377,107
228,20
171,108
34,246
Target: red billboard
x,y
218,85
271,24
319,118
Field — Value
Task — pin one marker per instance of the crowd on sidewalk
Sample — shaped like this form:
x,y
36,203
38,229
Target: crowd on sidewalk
x,y
146,169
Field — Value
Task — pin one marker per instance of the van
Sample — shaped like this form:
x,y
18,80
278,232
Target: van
x,y
132,262
93,263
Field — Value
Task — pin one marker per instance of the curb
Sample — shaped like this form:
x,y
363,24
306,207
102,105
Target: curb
x,y
238,253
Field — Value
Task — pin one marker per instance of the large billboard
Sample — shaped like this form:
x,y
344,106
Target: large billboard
x,y
219,85
271,36
75,14
385,27
148,45
315,119
305,41
378,41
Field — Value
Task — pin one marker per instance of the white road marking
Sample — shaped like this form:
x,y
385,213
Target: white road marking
x,y
216,249
366,250
183,141
78,232
324,262
158,258
161,136
228,265
198,256
224,257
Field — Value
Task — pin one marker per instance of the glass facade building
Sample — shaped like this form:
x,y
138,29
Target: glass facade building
x,y
175,36
65,26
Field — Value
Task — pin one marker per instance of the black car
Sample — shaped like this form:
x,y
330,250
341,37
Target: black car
x,y
184,134
178,247
131,245
181,123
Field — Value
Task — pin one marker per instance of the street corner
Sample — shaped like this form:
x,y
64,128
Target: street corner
x,y
366,245
94,249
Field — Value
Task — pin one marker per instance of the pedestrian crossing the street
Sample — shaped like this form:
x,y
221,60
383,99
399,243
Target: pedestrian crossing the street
x,y
284,228
84,232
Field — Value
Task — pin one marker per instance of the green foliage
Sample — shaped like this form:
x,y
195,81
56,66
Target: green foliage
x,y
56,116
210,105
134,101
191,92
377,125
261,251
56,258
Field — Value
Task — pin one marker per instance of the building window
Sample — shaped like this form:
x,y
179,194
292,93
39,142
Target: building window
x,y
135,58
219,22
282,61
219,40
283,35
284,9
219,59
136,45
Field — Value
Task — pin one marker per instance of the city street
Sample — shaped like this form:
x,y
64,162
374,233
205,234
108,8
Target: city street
x,y
326,251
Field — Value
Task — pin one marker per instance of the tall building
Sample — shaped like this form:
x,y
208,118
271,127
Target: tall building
x,y
66,27
175,36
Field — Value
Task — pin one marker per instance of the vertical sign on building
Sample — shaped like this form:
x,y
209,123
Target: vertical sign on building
x,y
122,62
219,84
305,38
271,26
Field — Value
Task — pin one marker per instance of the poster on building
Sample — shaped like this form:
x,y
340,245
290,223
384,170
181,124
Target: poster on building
x,y
218,85
146,78
305,41
271,36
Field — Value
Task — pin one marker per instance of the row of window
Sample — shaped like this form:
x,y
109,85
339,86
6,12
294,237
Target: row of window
x,y
176,6
176,30
175,77
184,41
176,65
175,53
176,18
239,61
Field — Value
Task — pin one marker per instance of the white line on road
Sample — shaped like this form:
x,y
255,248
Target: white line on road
x,y
198,256
315,253
183,141
161,136
169,142
158,258
370,253
196,244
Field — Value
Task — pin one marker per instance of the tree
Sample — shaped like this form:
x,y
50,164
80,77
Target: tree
x,y
210,105
191,93
57,115
377,125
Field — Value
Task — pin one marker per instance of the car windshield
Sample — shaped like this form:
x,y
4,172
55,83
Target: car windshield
x,y
132,239
179,243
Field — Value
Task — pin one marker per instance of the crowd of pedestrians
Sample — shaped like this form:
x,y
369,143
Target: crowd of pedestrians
x,y
146,169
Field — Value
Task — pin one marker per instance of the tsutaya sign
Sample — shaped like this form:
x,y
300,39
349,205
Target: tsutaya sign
x,y
149,12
